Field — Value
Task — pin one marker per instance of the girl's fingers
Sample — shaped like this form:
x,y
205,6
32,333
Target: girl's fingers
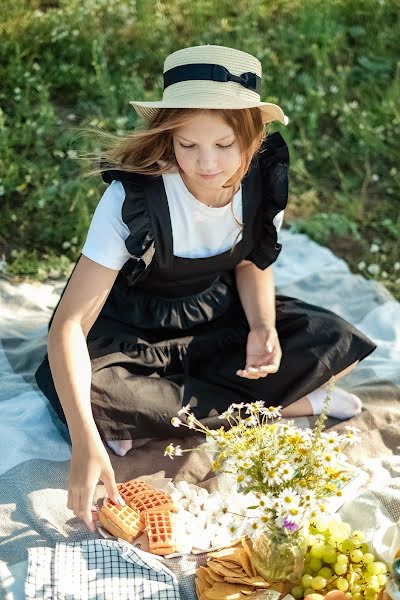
x,y
251,375
69,500
85,512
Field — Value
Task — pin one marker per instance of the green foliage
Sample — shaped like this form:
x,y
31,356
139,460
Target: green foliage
x,y
332,65
321,226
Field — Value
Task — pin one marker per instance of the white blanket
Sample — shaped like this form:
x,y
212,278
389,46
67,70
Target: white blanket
x,y
35,457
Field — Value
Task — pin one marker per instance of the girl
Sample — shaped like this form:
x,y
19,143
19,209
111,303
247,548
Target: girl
x,y
172,301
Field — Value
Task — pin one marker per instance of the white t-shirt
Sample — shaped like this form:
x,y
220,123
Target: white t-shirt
x,y
198,231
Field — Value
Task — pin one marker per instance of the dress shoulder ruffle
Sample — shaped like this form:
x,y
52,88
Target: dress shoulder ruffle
x,y
140,242
273,162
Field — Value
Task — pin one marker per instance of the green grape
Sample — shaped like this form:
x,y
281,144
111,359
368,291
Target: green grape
x,y
342,584
358,539
346,546
308,591
382,567
374,583
311,539
348,594
364,548
357,596
306,580
297,592
315,564
342,559
321,525
367,577
356,556
325,572
382,579
317,550
318,583
374,568
368,558
356,588
329,554
337,537
340,569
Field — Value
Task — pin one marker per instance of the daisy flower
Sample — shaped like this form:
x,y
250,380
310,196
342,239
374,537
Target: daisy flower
x,y
172,451
185,410
272,412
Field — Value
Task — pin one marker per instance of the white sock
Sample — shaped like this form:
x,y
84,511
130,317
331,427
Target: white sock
x,y
343,405
119,447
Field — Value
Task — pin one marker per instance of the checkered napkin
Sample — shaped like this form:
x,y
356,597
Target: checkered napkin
x,y
97,569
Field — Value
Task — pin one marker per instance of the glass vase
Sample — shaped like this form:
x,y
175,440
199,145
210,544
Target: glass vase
x,y
279,556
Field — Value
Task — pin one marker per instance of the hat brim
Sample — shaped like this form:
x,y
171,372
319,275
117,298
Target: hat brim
x,y
269,111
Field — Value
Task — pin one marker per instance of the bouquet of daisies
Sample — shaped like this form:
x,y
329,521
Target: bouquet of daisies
x,y
287,472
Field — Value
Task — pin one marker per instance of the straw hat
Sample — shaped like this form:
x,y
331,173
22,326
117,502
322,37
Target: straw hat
x,y
211,77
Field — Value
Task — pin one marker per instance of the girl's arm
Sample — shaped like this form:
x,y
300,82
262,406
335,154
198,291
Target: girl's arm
x,y
79,307
82,301
256,288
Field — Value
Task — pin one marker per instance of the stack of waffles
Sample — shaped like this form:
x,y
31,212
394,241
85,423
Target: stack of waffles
x,y
147,510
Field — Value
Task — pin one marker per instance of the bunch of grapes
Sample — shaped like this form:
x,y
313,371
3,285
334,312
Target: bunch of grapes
x,y
338,559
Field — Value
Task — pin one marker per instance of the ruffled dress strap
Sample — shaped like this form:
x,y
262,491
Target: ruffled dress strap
x,y
140,243
273,163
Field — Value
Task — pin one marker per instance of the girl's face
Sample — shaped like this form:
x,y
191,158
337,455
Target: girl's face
x,y
207,146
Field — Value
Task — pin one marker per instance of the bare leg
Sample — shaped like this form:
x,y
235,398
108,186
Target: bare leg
x,y
303,408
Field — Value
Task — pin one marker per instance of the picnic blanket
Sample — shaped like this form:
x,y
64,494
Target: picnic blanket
x,y
35,454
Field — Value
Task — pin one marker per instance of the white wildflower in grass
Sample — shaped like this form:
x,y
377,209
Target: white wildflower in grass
x,y
176,422
284,473
374,269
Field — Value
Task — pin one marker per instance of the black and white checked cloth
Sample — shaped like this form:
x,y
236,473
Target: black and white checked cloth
x,y
98,570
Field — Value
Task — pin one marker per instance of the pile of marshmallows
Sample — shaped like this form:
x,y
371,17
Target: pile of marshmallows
x,y
205,520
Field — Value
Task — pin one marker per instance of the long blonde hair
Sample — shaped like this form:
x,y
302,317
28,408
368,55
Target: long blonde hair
x,y
149,150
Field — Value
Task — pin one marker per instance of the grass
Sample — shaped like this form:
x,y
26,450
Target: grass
x,y
333,66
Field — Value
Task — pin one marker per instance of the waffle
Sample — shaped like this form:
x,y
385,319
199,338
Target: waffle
x,y
131,488
153,500
121,521
159,528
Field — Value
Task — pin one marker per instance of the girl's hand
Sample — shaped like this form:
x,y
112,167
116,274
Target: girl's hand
x,y
89,464
263,353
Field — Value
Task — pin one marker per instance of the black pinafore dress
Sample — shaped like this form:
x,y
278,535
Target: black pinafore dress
x,y
173,331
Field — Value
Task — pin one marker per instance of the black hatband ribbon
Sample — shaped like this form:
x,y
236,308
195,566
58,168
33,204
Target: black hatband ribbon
x,y
211,72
